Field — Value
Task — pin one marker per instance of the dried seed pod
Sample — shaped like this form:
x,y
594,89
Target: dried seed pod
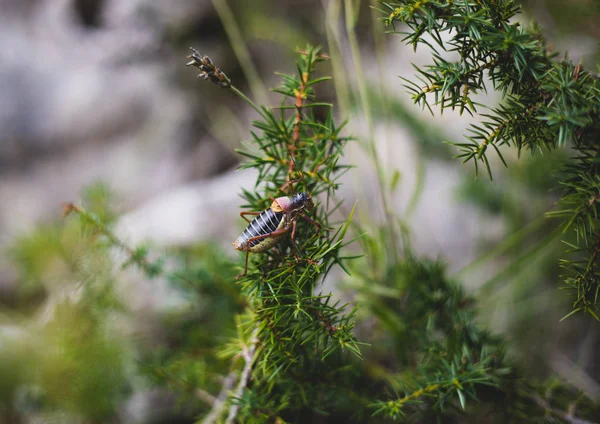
x,y
208,70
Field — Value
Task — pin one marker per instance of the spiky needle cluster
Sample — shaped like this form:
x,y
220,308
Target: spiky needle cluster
x,y
546,104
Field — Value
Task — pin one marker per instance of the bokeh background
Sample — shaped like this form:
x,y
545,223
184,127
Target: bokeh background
x,y
95,99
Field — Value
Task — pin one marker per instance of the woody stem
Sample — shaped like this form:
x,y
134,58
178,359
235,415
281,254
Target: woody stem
x,y
300,96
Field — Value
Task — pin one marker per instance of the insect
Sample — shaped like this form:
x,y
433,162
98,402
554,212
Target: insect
x,y
270,225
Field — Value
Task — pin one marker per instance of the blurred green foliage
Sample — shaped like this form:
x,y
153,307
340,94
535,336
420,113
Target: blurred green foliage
x,y
63,353
195,331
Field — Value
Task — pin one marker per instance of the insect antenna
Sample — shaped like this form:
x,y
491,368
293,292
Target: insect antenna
x,y
288,184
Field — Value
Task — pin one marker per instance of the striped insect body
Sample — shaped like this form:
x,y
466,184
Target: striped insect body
x,y
264,231
266,223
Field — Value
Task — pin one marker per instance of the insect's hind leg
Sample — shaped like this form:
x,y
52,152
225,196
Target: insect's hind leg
x,y
262,236
245,266
243,215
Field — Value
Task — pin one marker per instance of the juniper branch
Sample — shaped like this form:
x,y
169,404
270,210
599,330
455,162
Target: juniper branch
x,y
445,362
289,323
546,104
138,256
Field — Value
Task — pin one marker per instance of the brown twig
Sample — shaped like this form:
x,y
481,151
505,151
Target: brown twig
x,y
205,396
567,416
219,403
133,256
248,355
300,97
